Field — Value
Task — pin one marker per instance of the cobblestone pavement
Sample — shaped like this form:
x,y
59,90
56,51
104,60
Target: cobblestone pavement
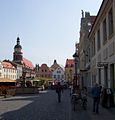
x,y
44,106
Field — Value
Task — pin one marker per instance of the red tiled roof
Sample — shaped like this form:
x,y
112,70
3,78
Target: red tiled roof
x,y
69,62
92,19
44,65
7,65
28,63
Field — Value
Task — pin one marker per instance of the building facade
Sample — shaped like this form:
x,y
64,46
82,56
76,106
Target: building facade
x,y
54,66
58,75
7,70
18,68
69,70
44,72
27,66
87,21
102,45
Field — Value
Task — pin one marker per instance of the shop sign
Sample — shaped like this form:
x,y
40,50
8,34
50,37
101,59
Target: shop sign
x,y
102,64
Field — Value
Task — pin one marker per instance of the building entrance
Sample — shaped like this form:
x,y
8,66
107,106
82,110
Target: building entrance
x,y
106,76
112,76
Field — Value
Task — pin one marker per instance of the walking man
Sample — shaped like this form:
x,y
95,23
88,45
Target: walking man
x,y
59,90
96,98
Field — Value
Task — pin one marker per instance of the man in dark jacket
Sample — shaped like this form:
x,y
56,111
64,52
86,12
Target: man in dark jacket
x,y
96,97
59,89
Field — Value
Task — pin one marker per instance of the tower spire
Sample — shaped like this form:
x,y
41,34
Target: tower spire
x,y
17,55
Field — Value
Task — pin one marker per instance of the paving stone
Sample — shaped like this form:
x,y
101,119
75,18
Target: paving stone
x,y
44,106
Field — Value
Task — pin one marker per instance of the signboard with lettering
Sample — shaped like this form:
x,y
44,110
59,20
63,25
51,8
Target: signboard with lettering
x,y
102,64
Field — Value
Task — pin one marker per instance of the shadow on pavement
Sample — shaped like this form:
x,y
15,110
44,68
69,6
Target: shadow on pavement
x,y
43,106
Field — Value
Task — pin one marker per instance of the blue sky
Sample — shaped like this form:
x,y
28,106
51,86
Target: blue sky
x,y
48,29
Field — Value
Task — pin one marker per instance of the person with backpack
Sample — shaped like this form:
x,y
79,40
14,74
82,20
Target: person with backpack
x,y
96,91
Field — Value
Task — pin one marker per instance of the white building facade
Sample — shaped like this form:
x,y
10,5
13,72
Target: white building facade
x,y
102,46
19,71
58,74
7,70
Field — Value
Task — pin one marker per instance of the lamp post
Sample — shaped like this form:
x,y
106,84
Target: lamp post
x,y
76,59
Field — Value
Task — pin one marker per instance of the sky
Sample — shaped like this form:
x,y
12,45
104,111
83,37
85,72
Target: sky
x,y
48,29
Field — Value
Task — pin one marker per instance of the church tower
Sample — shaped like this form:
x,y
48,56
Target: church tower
x,y
18,55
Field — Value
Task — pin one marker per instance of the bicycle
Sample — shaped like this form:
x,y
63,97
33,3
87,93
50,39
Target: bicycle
x,y
75,100
84,102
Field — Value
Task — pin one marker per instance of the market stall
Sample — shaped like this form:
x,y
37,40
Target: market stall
x,y
7,86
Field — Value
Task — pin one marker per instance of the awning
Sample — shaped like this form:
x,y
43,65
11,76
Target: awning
x,y
6,80
35,80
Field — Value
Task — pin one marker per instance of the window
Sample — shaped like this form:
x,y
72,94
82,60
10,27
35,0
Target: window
x,y
99,75
93,47
104,32
89,54
89,23
58,76
71,65
66,65
54,76
89,26
58,71
62,76
98,40
110,20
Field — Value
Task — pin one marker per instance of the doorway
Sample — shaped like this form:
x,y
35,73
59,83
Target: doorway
x,y
112,76
99,76
106,76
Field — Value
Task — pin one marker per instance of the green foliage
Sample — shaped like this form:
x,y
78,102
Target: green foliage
x,y
43,81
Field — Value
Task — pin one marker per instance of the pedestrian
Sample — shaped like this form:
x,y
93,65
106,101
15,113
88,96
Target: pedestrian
x,y
59,90
96,91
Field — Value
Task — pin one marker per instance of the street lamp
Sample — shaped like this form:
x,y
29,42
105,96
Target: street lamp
x,y
76,59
